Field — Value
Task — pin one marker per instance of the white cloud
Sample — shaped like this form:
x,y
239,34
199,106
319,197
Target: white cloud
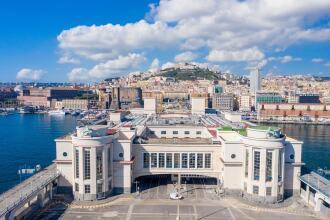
x,y
227,30
193,44
154,66
257,64
317,60
249,54
115,67
185,57
167,65
79,75
109,41
285,59
327,64
68,60
30,74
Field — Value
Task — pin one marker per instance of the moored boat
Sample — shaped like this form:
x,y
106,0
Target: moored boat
x,y
56,112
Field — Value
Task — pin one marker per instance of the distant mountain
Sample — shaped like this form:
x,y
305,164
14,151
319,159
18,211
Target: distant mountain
x,y
195,73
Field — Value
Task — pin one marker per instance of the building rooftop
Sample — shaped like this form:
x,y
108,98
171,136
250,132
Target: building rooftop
x,y
317,182
242,131
65,137
230,136
190,141
265,128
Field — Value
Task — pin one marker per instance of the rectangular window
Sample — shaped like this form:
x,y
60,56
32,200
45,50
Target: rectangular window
x,y
199,160
161,160
77,163
99,187
246,163
176,160
146,160
163,132
169,160
269,161
76,187
99,165
198,132
186,132
280,166
192,160
175,132
109,162
256,165
268,191
256,190
245,186
184,160
110,185
87,188
87,164
153,160
207,161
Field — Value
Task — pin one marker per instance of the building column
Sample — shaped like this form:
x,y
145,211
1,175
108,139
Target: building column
x,y
318,202
307,194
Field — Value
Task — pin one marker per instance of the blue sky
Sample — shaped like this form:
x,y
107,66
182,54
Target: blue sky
x,y
131,35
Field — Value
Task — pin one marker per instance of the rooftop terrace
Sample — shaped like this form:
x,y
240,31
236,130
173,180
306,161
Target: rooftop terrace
x,y
242,131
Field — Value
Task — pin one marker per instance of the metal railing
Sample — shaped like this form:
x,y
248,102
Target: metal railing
x,y
317,182
23,197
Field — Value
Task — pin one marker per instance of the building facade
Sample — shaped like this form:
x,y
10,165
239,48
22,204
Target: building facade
x,y
268,97
245,102
98,161
294,112
223,102
126,97
255,81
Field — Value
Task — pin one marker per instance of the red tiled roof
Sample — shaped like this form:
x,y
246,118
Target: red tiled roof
x,y
213,133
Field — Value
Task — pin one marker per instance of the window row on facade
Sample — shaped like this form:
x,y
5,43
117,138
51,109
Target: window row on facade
x,y
256,165
177,132
177,160
87,188
255,190
87,163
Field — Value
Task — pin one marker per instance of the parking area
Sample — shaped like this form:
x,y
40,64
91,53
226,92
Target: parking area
x,y
199,202
160,187
136,209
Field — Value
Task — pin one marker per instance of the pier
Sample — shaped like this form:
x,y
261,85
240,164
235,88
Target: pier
x,y
315,190
32,193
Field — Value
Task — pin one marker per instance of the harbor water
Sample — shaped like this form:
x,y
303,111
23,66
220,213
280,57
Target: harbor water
x,y
28,140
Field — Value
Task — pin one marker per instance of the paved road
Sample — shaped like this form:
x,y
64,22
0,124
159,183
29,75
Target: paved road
x,y
160,187
27,187
225,209
199,203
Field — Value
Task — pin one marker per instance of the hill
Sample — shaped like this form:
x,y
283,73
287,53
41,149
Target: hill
x,y
190,74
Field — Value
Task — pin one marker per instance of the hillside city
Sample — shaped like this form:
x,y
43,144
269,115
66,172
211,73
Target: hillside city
x,y
270,98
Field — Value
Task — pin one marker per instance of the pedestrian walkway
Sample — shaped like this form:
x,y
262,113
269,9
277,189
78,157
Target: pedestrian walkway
x,y
21,192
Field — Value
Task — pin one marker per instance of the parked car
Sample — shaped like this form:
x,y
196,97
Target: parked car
x,y
175,196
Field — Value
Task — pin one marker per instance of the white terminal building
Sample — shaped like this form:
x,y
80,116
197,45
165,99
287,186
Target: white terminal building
x,y
98,161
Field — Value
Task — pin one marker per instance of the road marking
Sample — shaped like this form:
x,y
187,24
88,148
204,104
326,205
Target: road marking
x,y
195,212
195,188
231,214
178,211
239,210
129,212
